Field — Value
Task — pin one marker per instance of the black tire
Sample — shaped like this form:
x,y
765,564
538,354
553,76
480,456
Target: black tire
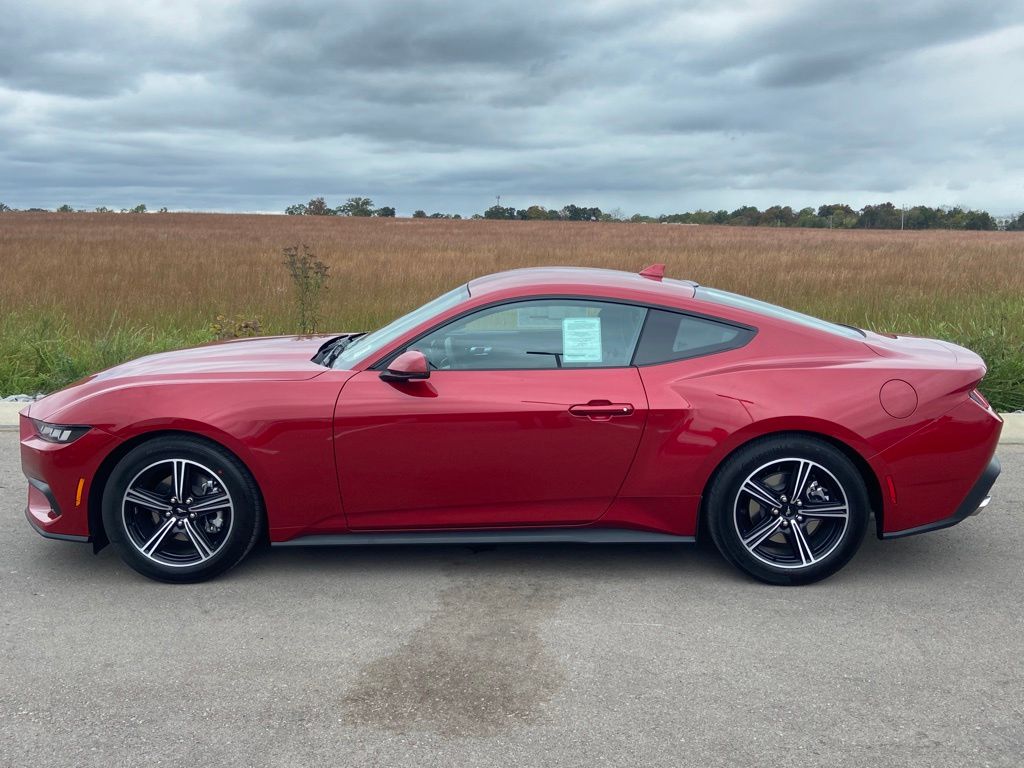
x,y
179,556
807,537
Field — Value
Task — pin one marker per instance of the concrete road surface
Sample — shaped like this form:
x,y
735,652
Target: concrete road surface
x,y
517,656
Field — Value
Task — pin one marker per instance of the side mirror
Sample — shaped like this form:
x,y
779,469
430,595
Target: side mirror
x,y
408,366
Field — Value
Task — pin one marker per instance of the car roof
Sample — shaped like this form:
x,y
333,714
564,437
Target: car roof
x,y
534,280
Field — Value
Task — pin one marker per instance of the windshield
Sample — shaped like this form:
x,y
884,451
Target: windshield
x,y
367,345
771,310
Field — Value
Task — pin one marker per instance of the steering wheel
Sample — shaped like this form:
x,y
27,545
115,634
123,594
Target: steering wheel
x,y
442,352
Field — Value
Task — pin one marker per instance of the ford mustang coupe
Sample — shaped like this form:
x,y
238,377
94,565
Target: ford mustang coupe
x,y
537,405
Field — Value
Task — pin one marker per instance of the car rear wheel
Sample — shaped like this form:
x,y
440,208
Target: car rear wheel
x,y
788,509
181,509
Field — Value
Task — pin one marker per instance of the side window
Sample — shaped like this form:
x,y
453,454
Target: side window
x,y
537,334
673,336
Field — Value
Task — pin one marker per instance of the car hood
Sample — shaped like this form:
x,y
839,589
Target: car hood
x,y
278,358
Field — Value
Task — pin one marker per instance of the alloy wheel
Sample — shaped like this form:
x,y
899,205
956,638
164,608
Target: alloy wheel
x,y
177,513
791,513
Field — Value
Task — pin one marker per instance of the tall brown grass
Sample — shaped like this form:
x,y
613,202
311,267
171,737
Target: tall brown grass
x,y
182,270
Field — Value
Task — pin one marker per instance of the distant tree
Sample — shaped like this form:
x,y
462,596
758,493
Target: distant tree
x,y
140,208
317,207
65,209
163,210
881,216
808,217
385,212
536,213
102,209
574,212
499,212
979,220
299,209
922,217
356,206
838,215
419,214
745,216
4,208
1017,224
778,216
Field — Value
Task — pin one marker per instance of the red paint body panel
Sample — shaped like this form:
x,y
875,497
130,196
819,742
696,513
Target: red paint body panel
x,y
450,453
934,468
339,450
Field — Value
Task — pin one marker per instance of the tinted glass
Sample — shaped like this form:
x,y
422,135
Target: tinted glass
x,y
673,336
373,342
771,310
544,333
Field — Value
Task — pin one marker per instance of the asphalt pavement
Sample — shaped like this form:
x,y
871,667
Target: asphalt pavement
x,y
543,655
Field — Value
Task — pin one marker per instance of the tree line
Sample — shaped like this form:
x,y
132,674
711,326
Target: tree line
x,y
834,216
354,206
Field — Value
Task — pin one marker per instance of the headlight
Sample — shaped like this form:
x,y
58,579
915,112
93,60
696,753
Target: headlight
x,y
59,433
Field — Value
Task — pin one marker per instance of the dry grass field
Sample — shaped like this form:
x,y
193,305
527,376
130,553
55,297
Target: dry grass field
x,y
78,291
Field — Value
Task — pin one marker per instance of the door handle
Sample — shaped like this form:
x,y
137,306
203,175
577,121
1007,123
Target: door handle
x,y
601,410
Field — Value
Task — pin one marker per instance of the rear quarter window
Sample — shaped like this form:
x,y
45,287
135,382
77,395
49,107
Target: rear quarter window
x,y
669,336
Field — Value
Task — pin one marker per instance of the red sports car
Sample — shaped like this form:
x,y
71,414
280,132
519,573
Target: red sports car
x,y
538,405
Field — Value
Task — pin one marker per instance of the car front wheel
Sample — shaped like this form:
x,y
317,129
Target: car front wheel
x,y
180,509
788,509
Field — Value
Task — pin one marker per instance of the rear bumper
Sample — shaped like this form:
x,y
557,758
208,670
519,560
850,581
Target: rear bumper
x,y
927,478
975,501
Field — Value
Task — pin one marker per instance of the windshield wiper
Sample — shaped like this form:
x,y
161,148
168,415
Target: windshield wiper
x,y
329,352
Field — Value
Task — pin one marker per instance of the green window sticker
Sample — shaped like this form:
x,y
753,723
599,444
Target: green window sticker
x,y
581,340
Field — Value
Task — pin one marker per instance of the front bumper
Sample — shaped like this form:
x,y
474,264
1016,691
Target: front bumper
x,y
975,501
60,478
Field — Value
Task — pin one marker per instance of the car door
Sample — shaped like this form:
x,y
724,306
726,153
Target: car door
x,y
532,415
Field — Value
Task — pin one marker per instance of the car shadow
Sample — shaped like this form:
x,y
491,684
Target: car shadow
x,y
924,557
921,557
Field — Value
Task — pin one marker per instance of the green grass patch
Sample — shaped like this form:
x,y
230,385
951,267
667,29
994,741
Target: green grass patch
x,y
44,354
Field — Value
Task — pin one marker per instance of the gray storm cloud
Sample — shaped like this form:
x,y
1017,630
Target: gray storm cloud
x,y
653,107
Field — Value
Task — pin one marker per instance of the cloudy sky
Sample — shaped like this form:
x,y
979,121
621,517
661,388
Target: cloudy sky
x,y
641,106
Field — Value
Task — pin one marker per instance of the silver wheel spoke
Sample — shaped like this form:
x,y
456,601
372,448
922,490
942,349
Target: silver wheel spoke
x,y
762,495
179,472
762,532
204,550
146,499
799,542
803,473
835,511
211,503
150,546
